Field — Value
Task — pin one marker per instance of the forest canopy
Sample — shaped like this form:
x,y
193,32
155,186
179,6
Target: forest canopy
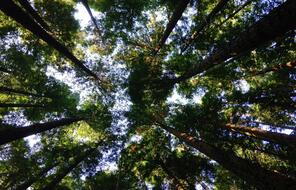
x,y
154,94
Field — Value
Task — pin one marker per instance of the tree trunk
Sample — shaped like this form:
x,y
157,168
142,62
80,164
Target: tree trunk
x,y
274,137
27,6
11,133
250,172
33,179
65,171
235,12
177,14
85,4
219,7
21,105
273,25
18,91
15,12
290,65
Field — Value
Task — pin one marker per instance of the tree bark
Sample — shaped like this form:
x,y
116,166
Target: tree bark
x,y
27,6
235,12
18,91
15,12
250,172
21,105
11,133
65,171
219,7
177,14
85,4
274,137
273,25
33,179
289,65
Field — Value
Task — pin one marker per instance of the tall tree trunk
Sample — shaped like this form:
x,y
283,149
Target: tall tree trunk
x,y
63,172
274,137
15,12
273,25
11,133
21,105
177,14
27,6
18,91
33,179
85,4
235,12
219,7
250,172
289,65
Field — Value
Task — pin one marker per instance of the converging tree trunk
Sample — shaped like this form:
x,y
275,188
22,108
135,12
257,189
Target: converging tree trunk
x,y
250,172
289,65
219,7
18,91
15,12
274,137
177,14
273,25
20,105
27,6
85,4
64,171
11,133
35,178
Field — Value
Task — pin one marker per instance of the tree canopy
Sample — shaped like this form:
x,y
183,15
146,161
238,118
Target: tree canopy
x,y
154,94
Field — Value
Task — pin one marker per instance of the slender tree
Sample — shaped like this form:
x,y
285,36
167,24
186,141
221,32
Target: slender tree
x,y
273,25
275,137
27,6
15,12
11,133
19,91
250,172
21,105
219,7
177,14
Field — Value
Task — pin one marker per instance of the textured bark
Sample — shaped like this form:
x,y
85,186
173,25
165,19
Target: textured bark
x,y
250,172
27,6
235,12
63,172
18,91
219,7
274,137
33,179
289,65
15,12
273,25
177,14
85,4
11,133
24,105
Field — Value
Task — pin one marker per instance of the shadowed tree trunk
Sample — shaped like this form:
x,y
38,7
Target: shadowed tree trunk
x,y
219,7
289,65
250,172
15,12
85,4
63,172
18,91
24,105
177,14
33,179
235,12
274,137
27,6
11,133
273,25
